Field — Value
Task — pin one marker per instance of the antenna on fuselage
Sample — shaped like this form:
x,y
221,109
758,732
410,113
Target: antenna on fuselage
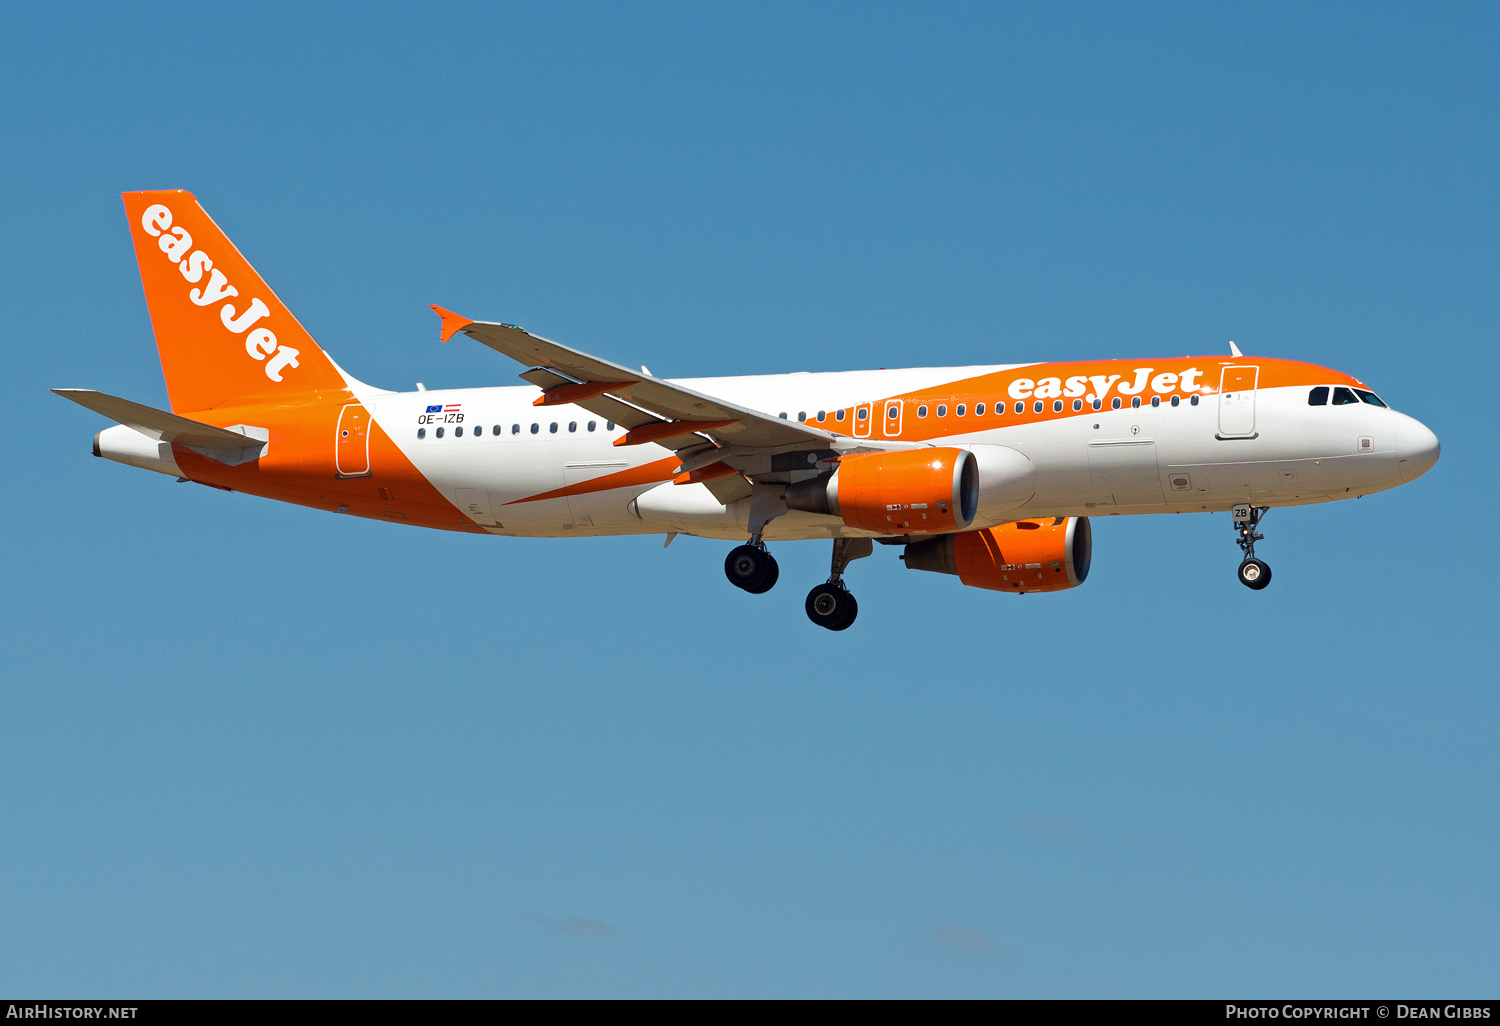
x,y
1234,350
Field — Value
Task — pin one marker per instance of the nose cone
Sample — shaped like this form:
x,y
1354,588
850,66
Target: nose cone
x,y
1417,449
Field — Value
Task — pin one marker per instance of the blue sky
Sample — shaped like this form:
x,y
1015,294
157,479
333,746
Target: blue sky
x,y
255,750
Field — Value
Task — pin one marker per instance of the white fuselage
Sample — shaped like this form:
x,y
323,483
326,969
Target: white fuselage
x,y
1167,459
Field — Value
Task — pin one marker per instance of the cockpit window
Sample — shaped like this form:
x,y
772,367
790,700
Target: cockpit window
x,y
1344,396
1318,396
1369,397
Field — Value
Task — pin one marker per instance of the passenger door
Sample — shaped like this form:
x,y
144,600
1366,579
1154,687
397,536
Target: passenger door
x,y
1237,402
351,453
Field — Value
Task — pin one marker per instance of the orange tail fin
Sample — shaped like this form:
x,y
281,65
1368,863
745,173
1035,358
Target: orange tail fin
x,y
224,337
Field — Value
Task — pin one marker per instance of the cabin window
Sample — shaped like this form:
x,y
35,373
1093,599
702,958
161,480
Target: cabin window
x,y
553,428
1036,407
609,425
1318,396
822,414
515,429
496,431
1020,407
1077,405
535,428
959,411
458,432
838,415
1344,397
801,416
863,413
1369,397
1098,404
942,409
892,412
1193,401
1135,403
593,424
1114,404
1155,400
979,409
921,411
572,426
1176,400
1057,406
421,432
439,432
782,415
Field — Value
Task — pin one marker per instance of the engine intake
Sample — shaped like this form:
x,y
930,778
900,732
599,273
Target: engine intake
x,y
913,491
1028,555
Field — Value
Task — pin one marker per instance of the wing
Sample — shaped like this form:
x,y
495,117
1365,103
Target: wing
x,y
721,444
649,407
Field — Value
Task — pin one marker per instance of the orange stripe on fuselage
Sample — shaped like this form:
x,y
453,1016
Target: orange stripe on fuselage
x,y
994,388
298,467
659,470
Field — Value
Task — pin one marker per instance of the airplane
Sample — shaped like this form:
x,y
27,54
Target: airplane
x,y
988,473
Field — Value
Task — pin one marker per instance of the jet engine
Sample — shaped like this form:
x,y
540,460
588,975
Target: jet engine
x,y
912,491
1052,554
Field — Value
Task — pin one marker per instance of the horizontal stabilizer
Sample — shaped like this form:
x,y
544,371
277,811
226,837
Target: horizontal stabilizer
x,y
222,444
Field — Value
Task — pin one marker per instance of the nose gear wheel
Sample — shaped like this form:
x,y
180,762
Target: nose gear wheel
x,y
1253,573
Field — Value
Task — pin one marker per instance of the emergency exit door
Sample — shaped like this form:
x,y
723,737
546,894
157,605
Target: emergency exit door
x,y
1237,402
352,447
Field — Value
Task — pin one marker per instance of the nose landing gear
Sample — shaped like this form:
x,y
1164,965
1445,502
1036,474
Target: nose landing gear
x,y
830,604
1253,573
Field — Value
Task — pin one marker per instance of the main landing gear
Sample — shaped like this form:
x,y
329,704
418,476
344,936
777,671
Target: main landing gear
x,y
829,604
752,568
1253,573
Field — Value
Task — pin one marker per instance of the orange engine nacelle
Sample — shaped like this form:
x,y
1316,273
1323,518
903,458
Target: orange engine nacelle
x,y
913,491
1028,555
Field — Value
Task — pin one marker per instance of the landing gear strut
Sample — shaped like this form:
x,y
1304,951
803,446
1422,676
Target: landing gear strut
x,y
1253,573
829,604
750,566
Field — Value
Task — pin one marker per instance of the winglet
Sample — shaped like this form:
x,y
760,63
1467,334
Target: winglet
x,y
452,322
1234,350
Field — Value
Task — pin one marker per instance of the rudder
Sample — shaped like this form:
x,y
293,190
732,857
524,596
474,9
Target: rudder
x,y
224,337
